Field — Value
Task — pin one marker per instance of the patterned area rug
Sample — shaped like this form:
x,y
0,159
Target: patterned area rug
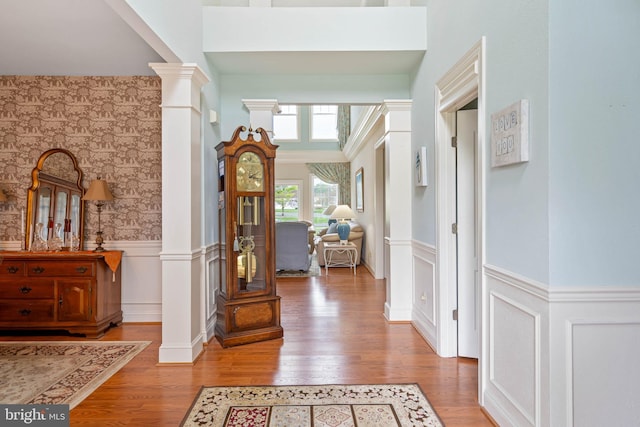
x,y
387,405
45,372
314,270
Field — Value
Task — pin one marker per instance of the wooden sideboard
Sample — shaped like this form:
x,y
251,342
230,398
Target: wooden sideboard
x,y
78,292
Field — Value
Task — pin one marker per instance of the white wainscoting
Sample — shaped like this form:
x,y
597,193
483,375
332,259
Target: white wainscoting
x,y
141,280
513,321
595,341
211,274
424,304
560,356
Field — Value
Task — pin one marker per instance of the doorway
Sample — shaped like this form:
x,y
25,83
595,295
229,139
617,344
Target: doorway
x,y
461,84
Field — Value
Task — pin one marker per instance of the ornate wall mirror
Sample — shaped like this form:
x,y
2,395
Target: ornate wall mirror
x,y
54,201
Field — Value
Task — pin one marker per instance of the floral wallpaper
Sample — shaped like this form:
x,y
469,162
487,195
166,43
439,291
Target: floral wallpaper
x,y
113,127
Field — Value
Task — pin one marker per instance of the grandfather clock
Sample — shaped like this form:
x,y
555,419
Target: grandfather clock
x,y
248,309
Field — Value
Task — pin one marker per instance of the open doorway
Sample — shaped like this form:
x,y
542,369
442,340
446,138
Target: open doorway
x,y
459,86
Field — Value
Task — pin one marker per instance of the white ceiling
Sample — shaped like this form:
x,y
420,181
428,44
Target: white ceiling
x,y
69,37
86,37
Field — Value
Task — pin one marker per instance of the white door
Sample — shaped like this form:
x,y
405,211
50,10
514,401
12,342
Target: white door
x,y
468,283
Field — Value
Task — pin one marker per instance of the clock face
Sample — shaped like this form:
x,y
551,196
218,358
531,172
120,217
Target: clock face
x,y
249,173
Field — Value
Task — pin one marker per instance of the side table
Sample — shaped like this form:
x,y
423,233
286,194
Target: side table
x,y
331,249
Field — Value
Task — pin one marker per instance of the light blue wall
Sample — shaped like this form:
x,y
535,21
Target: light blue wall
x,y
595,152
179,25
294,89
516,34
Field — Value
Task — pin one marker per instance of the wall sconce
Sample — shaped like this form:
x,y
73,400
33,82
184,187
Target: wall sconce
x,y
99,192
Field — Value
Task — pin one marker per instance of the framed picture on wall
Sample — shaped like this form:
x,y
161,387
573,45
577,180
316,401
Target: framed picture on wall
x,y
421,167
360,190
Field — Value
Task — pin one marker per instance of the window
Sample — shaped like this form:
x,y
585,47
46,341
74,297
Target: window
x,y
286,124
324,195
324,122
287,198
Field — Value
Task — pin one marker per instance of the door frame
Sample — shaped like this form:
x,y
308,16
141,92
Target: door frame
x,y
461,84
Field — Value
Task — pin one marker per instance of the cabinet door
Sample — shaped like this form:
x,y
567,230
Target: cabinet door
x,y
74,300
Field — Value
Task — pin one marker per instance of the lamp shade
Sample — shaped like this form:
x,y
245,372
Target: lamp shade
x,y
3,197
329,210
98,190
343,212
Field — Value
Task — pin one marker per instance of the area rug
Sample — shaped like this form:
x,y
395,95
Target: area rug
x,y
382,405
314,270
46,372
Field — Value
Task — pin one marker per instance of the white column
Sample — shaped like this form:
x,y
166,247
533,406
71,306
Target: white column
x,y
398,194
182,340
261,113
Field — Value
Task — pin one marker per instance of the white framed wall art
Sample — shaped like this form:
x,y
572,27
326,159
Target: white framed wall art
x,y
421,167
510,134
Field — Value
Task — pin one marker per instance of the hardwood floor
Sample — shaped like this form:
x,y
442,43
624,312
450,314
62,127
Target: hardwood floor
x,y
334,333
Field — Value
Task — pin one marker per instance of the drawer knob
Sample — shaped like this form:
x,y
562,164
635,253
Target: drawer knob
x,y
38,270
82,269
25,290
25,312
13,269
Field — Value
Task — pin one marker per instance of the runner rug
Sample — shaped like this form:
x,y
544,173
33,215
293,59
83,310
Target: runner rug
x,y
383,405
63,372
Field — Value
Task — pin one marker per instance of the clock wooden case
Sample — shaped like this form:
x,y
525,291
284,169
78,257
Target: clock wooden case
x,y
248,308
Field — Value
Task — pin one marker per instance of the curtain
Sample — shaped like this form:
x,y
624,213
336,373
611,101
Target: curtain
x,y
344,124
335,173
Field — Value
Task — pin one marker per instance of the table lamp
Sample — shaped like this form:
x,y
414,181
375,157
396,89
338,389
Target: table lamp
x,y
99,192
342,213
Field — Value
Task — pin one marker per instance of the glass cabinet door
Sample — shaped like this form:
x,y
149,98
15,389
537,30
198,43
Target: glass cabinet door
x,y
251,255
60,213
43,210
74,215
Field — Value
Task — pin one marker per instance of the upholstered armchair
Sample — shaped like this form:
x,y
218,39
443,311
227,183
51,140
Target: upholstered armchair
x,y
292,246
331,235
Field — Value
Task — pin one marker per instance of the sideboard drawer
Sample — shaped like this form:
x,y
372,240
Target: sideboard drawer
x,y
64,268
11,269
27,311
27,290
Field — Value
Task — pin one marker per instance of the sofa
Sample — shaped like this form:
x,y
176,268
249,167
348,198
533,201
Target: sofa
x,y
292,246
356,235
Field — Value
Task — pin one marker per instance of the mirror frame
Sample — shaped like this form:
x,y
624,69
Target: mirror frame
x,y
32,194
